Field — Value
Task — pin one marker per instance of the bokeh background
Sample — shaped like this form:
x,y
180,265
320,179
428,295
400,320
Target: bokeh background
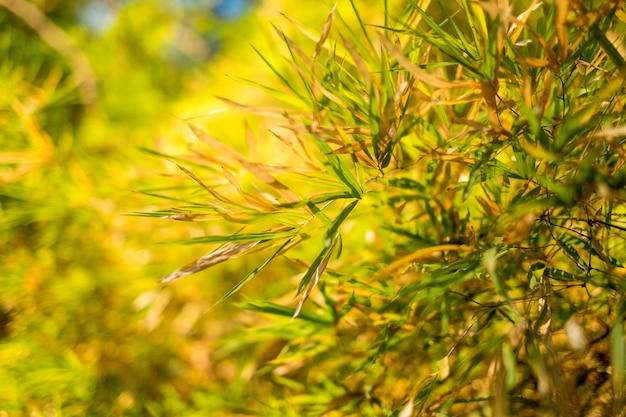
x,y
91,92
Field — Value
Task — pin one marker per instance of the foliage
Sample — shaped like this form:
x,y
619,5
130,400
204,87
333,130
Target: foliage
x,y
83,330
441,184
448,185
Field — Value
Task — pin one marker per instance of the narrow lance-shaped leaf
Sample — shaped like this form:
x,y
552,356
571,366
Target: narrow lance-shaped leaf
x,y
341,171
260,171
419,73
418,255
277,233
254,201
254,273
572,253
319,270
330,234
323,36
292,46
224,253
285,81
618,358
208,189
268,307
329,240
489,263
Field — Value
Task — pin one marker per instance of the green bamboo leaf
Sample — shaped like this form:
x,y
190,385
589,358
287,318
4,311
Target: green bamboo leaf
x,y
595,249
571,252
525,195
564,192
499,168
315,277
164,197
538,364
525,162
535,274
281,95
246,237
329,238
509,361
490,264
560,275
614,55
407,183
477,172
178,160
365,35
267,307
332,231
302,69
344,174
442,40
288,84
536,128
324,198
252,274
618,358
472,24
441,279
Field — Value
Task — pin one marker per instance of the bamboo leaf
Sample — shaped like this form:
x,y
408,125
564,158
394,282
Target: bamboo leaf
x,y
282,233
571,253
224,253
618,359
315,277
490,264
332,231
329,242
340,170
422,75
323,36
417,256
285,81
252,274
268,307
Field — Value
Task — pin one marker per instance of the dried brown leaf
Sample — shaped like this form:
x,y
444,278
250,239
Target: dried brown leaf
x,y
354,147
489,206
208,189
533,62
542,41
254,202
323,36
293,46
260,111
562,11
359,62
489,94
224,253
260,171
420,74
300,150
424,254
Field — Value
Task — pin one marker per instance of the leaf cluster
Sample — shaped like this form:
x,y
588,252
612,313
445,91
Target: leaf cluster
x,y
454,181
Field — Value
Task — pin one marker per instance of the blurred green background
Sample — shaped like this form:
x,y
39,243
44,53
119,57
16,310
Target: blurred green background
x,y
84,328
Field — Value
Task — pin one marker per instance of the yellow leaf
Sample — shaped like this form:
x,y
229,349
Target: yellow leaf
x,y
443,366
224,253
420,254
533,62
520,229
489,206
